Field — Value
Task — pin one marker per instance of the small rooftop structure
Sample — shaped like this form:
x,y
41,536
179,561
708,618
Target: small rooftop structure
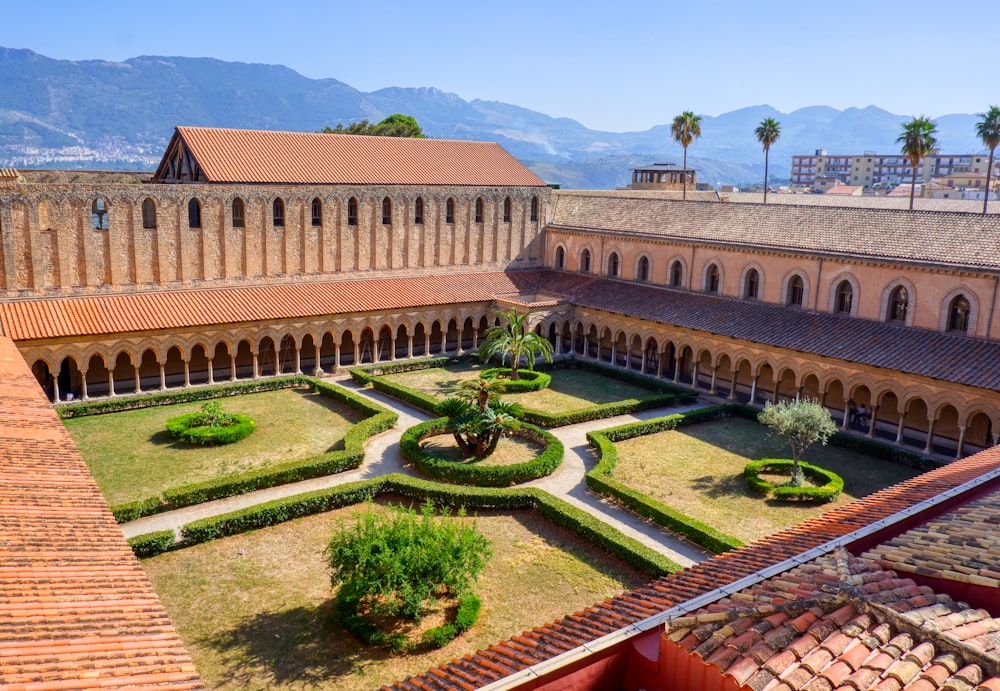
x,y
663,176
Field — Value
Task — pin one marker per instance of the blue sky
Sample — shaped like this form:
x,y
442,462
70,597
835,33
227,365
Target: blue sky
x,y
616,66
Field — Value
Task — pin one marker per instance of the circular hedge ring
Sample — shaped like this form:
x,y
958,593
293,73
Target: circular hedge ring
x,y
481,476
830,484
190,428
529,381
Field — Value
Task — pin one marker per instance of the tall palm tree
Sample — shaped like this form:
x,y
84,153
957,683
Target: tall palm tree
x,y
767,133
988,130
513,340
917,141
685,129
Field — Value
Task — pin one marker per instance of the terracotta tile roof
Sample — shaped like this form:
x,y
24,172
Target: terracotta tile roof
x,y
259,156
76,609
841,622
961,546
951,239
607,617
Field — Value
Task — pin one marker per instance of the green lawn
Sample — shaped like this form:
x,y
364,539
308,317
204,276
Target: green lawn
x,y
253,609
510,450
698,470
571,389
131,455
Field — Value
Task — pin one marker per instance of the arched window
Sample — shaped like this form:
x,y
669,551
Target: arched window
x,y
386,212
418,211
99,214
614,264
506,210
449,211
278,212
751,284
796,291
352,212
642,271
560,257
479,210
845,297
194,213
958,314
239,213
676,274
317,212
899,302
534,208
148,213
585,261
712,279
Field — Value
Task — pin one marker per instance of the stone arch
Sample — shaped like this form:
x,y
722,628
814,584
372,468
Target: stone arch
x,y
836,298
614,264
384,344
149,370
810,387
98,375
790,285
420,339
888,312
468,338
643,268
244,359
748,288
222,362
451,337
586,264
148,213
723,375
267,357
559,257
198,365
945,321
676,271
712,277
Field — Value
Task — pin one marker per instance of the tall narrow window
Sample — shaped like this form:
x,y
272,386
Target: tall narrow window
x,y
712,279
899,302
676,274
194,213
643,270
796,291
418,211
958,314
613,264
386,212
449,211
148,213
239,213
506,210
479,209
317,212
560,257
751,284
352,212
845,297
99,214
534,208
585,261
278,213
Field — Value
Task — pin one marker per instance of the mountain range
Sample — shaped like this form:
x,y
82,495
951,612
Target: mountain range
x,y
119,115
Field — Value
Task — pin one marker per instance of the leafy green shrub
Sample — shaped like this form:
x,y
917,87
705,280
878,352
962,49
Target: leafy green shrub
x,y
467,614
529,381
132,510
831,487
482,476
192,428
599,412
151,544
363,375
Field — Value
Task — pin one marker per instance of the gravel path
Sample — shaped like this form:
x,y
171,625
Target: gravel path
x,y
382,456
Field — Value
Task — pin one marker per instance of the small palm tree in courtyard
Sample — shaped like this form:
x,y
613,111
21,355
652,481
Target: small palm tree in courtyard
x,y
685,129
767,133
988,130
917,140
513,341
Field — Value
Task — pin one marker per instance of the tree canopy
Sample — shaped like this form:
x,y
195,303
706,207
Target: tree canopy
x,y
767,133
801,424
685,129
917,140
512,340
396,125
988,130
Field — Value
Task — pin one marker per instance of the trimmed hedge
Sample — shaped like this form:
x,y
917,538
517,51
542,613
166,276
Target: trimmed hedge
x,y
132,510
188,428
480,475
529,381
553,509
151,544
831,487
599,412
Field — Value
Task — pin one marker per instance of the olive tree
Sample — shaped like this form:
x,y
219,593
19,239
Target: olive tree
x,y
801,423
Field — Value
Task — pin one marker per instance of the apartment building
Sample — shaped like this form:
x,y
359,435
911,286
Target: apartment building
x,y
874,170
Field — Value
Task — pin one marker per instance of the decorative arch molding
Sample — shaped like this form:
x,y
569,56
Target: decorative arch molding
x,y
911,299
706,273
637,267
579,259
555,254
752,266
787,279
668,279
945,309
832,302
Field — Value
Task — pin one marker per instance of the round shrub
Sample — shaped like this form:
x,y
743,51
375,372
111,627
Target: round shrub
x,y
529,380
829,488
481,476
192,429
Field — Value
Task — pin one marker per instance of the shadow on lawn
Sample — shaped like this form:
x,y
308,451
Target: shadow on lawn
x,y
721,488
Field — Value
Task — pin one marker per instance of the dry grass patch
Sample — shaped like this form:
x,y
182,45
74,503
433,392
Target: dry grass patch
x,y
254,609
132,456
509,451
698,470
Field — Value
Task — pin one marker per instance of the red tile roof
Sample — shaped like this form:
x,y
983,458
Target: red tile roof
x,y
259,156
76,609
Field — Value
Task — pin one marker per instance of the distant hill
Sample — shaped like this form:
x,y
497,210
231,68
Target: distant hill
x,y
98,114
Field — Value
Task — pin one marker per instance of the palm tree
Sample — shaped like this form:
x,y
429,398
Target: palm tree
x,y
917,141
767,133
513,340
686,128
988,130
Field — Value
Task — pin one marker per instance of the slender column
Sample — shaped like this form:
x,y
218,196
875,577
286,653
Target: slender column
x,y
392,348
930,435
55,389
357,353
138,382
232,366
733,377
847,415
409,345
475,338
753,390
642,368
558,346
256,372
899,428
711,387
614,353
187,374
298,359
586,346
871,425
211,372
659,365
427,343
111,383
277,361
961,442
318,369
83,388
996,438
336,356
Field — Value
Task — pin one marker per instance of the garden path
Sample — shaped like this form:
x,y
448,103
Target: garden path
x,y
382,456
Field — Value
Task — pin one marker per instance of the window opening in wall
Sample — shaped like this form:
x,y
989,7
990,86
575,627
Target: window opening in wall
x,y
751,288
99,214
386,212
585,261
352,212
560,257
958,314
239,213
796,291
449,211
506,210
534,208
194,214
278,213
712,279
643,273
479,210
317,212
418,211
845,297
613,264
148,213
898,303
676,274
